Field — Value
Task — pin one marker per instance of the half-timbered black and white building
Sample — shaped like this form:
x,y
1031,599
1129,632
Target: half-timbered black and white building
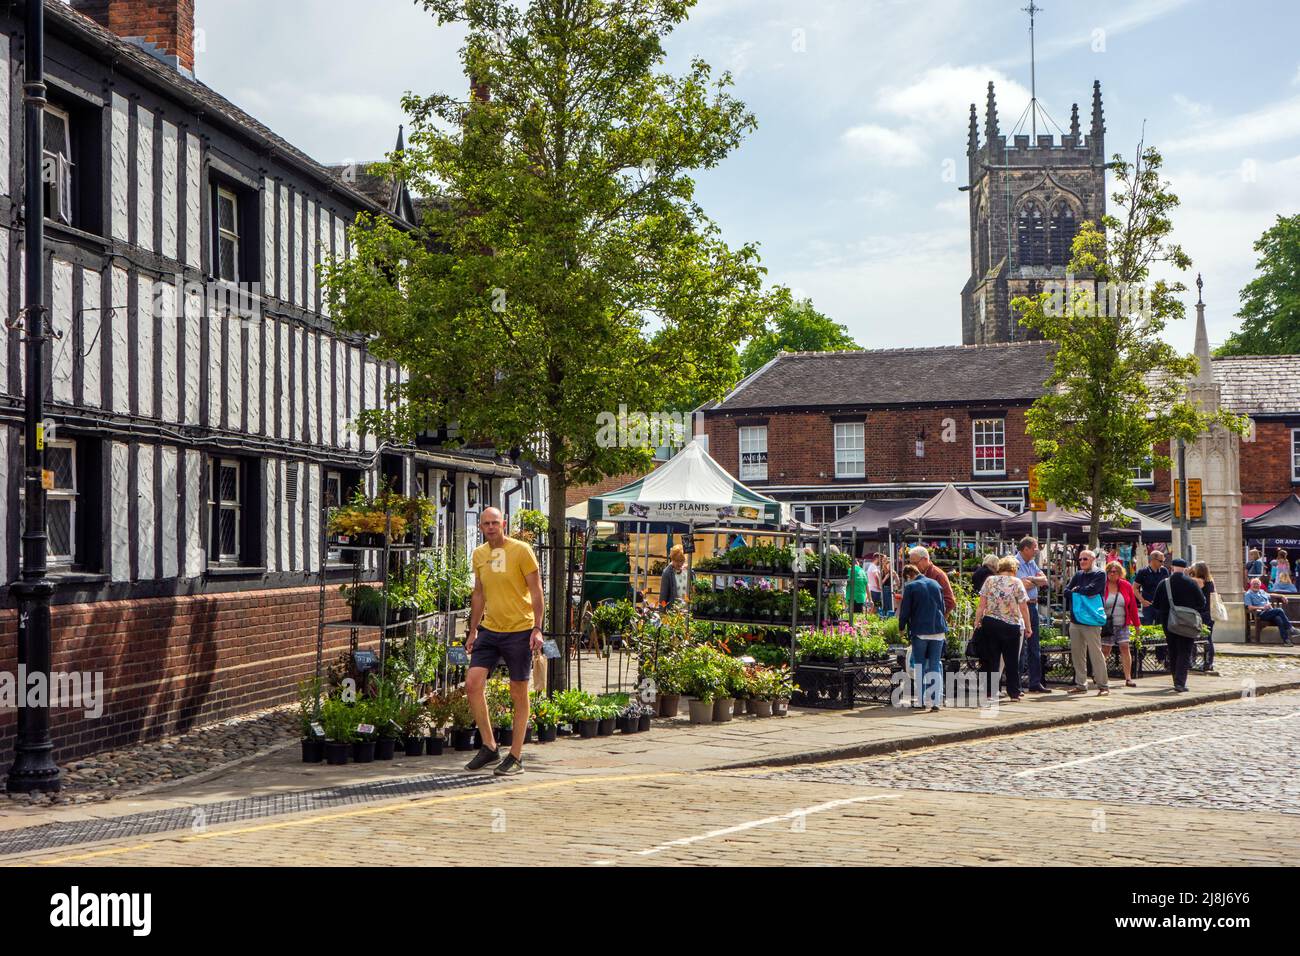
x,y
200,400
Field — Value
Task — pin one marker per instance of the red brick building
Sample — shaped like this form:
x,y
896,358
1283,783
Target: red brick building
x,y
825,431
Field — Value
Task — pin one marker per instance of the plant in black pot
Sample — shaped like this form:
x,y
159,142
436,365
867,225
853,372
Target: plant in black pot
x,y
501,710
313,733
411,717
438,713
462,721
337,720
384,710
571,706
611,705
545,716
366,602
366,733
588,721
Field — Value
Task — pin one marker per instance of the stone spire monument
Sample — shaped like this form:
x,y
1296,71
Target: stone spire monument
x,y
1214,458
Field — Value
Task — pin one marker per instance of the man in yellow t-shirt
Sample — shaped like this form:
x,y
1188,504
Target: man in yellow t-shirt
x,y
508,603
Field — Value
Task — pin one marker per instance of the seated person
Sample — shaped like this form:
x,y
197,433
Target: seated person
x,y
1284,584
1272,616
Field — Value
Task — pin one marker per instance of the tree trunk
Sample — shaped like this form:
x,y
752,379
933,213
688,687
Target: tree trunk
x,y
558,536
1094,528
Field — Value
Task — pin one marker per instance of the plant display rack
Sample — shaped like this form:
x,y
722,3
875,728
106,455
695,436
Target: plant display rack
x,y
388,552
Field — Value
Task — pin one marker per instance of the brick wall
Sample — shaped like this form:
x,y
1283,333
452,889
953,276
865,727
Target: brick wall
x,y
576,493
171,663
801,446
1265,467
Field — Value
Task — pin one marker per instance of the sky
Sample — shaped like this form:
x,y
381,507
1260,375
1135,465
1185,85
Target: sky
x,y
847,184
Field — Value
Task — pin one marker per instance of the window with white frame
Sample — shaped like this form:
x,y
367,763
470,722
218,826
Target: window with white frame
x,y
1295,454
224,502
1142,473
753,453
56,171
989,440
850,455
227,235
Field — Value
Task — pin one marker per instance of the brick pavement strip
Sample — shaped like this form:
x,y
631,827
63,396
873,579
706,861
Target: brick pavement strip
x,y
721,818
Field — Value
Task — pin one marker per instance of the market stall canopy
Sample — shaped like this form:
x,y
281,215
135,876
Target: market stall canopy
x,y
1147,527
1057,521
690,486
872,519
1280,521
948,511
985,503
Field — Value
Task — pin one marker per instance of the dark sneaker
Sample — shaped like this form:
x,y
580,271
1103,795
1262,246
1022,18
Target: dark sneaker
x,y
482,759
509,767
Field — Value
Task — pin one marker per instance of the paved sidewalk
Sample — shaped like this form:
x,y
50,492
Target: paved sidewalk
x,y
675,745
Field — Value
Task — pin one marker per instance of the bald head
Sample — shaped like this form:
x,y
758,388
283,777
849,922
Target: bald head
x,y
492,525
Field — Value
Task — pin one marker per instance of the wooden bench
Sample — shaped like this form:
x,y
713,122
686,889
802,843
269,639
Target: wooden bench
x,y
1290,603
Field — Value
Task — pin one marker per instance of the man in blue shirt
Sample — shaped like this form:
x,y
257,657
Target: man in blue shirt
x,y
1270,616
1148,581
1032,577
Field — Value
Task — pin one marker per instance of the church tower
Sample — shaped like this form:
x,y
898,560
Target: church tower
x,y
1027,200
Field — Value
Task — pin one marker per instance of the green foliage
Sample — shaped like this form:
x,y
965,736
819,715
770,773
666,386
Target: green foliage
x,y
529,525
309,693
702,671
613,618
1270,303
501,706
542,711
771,683
411,716
566,268
572,705
339,721
796,327
1117,389
841,643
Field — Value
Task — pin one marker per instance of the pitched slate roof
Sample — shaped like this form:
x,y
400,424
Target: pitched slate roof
x,y
1011,374
1259,385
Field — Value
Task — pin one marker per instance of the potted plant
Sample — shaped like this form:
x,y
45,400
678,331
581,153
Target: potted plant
x,y
545,717
411,717
462,721
438,712
384,711
782,689
501,711
629,719
571,706
668,687
702,678
589,718
338,721
644,718
610,708
366,602
367,734
313,735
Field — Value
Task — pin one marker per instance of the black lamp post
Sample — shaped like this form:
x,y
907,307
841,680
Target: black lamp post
x,y
33,767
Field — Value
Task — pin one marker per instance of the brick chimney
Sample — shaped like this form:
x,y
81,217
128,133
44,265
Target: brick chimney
x,y
164,28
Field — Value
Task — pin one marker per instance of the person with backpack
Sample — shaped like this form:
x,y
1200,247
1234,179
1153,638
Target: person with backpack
x,y
1177,607
1083,602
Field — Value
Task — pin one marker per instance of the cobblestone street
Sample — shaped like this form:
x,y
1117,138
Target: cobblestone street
x,y
1097,794
1234,756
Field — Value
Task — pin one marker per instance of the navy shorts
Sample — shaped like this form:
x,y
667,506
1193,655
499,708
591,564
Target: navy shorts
x,y
514,648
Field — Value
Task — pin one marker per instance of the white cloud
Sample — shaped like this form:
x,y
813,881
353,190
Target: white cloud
x,y
1295,80
940,98
958,207
1269,124
1190,107
885,146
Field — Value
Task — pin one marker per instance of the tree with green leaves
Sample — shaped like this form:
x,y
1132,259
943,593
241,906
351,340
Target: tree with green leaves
x,y
1117,389
563,268
797,327
1270,303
